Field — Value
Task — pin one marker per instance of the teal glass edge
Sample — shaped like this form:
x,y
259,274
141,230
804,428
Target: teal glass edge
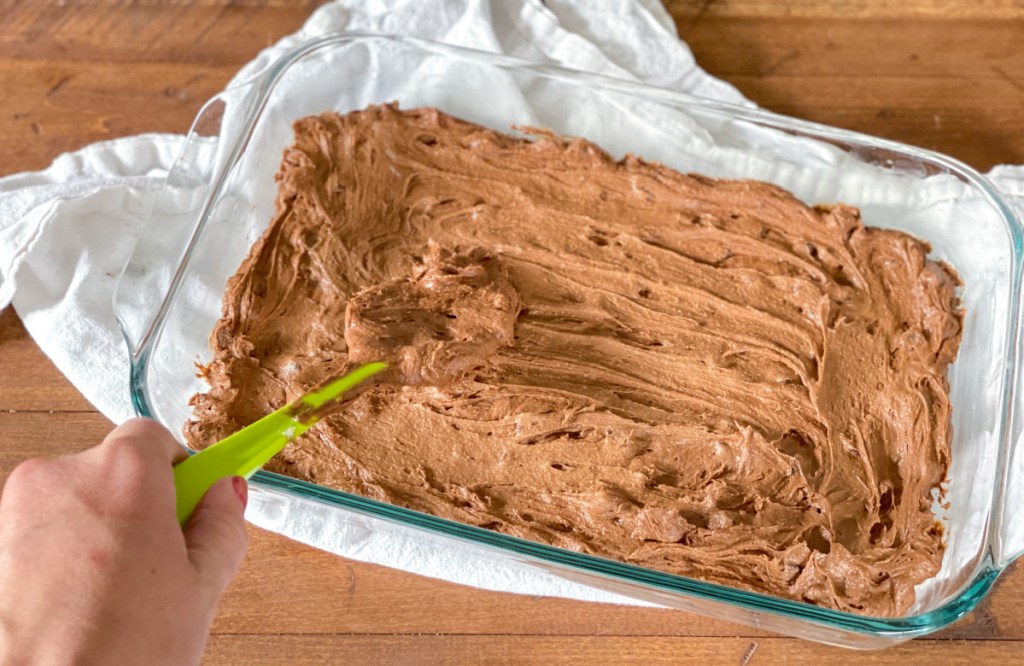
x,y
904,627
619,571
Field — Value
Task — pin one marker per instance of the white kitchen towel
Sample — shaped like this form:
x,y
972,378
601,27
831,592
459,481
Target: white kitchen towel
x,y
66,231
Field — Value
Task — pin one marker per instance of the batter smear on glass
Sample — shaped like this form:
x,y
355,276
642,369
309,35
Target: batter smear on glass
x,y
705,377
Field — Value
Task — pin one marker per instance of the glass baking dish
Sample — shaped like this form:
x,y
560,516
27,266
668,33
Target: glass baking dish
x,y
220,196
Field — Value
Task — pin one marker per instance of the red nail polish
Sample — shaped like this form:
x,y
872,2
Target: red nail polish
x,y
241,489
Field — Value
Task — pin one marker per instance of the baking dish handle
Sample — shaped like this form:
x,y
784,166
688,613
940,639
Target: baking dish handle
x,y
172,214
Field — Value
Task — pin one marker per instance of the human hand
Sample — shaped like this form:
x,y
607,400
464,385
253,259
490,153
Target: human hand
x,y
94,567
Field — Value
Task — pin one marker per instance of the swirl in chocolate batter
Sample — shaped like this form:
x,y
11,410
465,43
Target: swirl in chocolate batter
x,y
704,377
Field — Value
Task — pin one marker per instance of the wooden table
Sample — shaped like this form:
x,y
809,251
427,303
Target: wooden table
x,y
943,74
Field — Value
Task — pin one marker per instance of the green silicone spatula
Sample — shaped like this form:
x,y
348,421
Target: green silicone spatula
x,y
250,448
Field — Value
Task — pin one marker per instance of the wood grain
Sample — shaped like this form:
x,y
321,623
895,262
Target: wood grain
x,y
919,81
944,74
76,74
428,650
947,9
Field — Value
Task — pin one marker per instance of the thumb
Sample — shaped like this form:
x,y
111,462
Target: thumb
x,y
215,535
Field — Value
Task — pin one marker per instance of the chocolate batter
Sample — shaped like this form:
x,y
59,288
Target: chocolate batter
x,y
700,376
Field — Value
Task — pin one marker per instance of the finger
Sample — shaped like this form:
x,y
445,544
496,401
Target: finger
x,y
28,486
151,438
129,473
216,536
